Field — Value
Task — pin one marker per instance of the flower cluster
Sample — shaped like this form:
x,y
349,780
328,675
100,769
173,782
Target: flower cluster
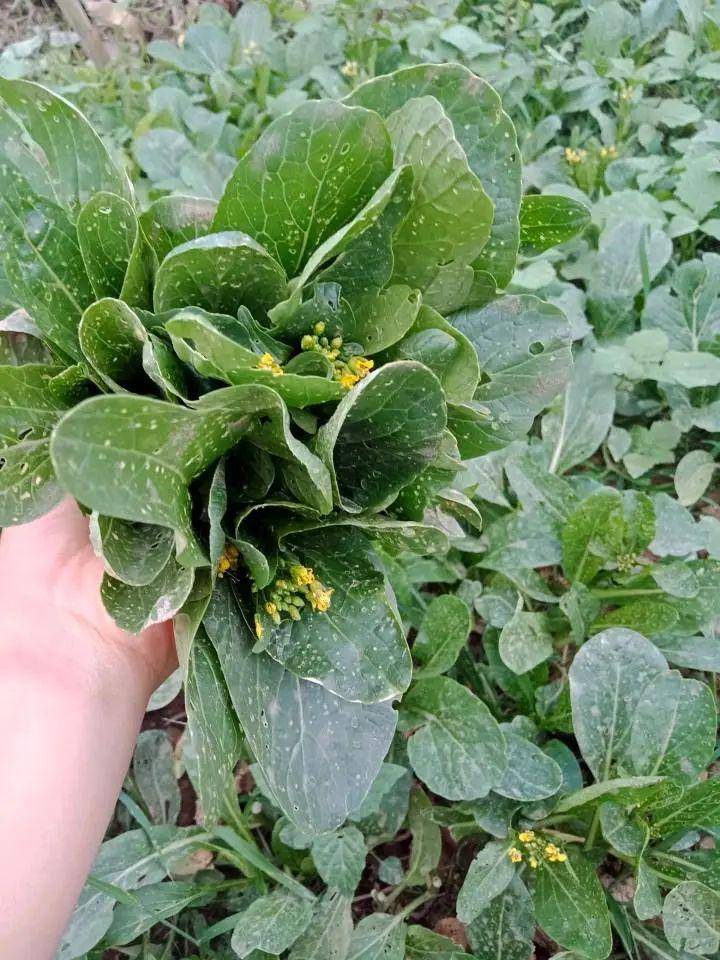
x,y
536,849
575,156
228,559
291,592
346,370
609,153
626,562
268,362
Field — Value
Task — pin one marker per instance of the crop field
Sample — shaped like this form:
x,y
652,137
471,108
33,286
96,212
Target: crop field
x,y
379,341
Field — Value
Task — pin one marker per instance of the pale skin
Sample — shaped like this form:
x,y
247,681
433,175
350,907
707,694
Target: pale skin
x,y
73,690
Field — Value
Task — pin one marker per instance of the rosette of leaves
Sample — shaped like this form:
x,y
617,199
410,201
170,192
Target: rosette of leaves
x,y
248,400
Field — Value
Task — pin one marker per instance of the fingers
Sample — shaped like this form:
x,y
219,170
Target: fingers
x,y
63,532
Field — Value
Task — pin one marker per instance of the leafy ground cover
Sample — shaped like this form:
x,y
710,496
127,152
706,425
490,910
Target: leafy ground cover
x,y
434,464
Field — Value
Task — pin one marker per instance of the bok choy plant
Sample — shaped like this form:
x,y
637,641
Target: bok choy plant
x,y
261,402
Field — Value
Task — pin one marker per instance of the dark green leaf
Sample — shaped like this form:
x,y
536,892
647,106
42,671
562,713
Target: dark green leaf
x,y
546,221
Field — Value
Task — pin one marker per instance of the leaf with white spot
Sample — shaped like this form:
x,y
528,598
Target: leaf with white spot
x,y
356,649
691,918
136,608
132,552
310,172
490,873
340,858
219,272
607,680
381,936
329,933
457,748
451,215
530,774
319,754
486,134
383,434
673,728
154,775
271,923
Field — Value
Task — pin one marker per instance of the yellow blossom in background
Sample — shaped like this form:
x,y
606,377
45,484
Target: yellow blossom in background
x,y
527,836
259,629
514,854
350,68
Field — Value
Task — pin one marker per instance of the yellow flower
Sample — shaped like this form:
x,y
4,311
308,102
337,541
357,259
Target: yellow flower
x,y
361,366
259,629
348,380
527,836
272,611
228,559
268,362
533,863
319,328
320,596
515,855
349,68
301,575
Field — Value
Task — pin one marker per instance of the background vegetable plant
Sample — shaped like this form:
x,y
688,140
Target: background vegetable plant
x,y
555,565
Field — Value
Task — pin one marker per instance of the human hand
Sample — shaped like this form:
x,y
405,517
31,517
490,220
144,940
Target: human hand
x,y
52,619
73,690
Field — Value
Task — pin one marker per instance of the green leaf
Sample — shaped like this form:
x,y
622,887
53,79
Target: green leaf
x,y
309,173
442,635
28,411
51,137
546,221
219,272
154,774
504,930
340,859
128,861
136,608
113,249
328,935
626,790
170,221
608,527
423,944
490,873
624,832
381,936
448,353
286,720
673,728
693,475
525,641
652,617
426,840
607,680
43,263
450,219
487,136
135,553
458,749
114,342
384,433
357,648
530,774
523,346
648,900
212,728
304,474
271,923
154,903
570,907
578,422
691,918
699,806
